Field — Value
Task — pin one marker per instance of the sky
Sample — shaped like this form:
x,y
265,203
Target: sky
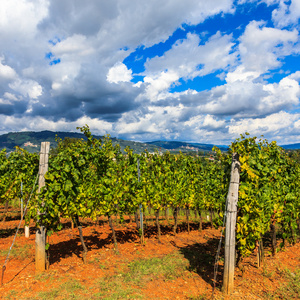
x,y
144,70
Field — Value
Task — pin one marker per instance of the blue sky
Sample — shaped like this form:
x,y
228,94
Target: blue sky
x,y
194,70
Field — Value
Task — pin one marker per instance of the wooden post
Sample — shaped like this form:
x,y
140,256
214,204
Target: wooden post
x,y
27,232
231,211
40,236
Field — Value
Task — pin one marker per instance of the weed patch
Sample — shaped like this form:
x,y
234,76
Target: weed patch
x,y
20,252
113,287
168,267
67,290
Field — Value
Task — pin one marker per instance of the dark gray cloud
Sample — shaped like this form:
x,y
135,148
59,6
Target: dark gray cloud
x,y
78,17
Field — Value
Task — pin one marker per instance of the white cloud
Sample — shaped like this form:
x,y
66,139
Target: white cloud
x,y
141,23
28,88
11,97
205,122
77,45
155,122
286,93
19,18
5,101
26,123
63,77
272,124
160,83
268,2
119,73
240,74
248,99
187,59
295,76
6,72
261,47
211,122
187,55
287,13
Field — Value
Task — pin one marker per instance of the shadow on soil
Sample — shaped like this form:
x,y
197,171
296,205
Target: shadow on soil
x,y
202,260
5,233
97,241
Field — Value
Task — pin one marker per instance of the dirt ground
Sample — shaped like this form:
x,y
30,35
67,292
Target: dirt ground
x,y
99,278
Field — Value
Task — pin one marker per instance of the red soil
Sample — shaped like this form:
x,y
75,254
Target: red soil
x,y
66,262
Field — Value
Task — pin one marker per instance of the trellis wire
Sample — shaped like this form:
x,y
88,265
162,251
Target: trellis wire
x,y
22,211
219,249
140,206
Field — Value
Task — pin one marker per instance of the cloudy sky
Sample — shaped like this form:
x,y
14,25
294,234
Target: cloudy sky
x,y
192,70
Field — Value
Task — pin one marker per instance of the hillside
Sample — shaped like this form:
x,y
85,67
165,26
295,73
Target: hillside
x,y
31,141
291,146
175,145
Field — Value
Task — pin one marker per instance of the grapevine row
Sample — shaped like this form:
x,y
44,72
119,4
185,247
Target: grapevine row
x,y
93,178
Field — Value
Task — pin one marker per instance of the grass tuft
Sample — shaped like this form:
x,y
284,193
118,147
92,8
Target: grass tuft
x,y
127,284
144,270
113,287
67,290
20,252
290,289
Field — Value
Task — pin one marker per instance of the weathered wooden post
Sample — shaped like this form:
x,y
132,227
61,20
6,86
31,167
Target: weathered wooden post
x,y
231,211
40,236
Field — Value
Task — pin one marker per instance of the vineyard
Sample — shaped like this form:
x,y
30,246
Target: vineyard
x,y
93,180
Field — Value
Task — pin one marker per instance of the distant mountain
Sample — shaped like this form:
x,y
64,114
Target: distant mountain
x,y
31,141
291,146
174,145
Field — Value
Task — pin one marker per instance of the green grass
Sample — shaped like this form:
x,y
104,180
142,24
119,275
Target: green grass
x,y
71,289
290,289
127,284
100,263
135,275
68,290
43,276
113,287
266,272
199,297
168,267
12,295
20,252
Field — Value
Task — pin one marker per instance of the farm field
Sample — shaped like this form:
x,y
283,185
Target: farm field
x,y
180,267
